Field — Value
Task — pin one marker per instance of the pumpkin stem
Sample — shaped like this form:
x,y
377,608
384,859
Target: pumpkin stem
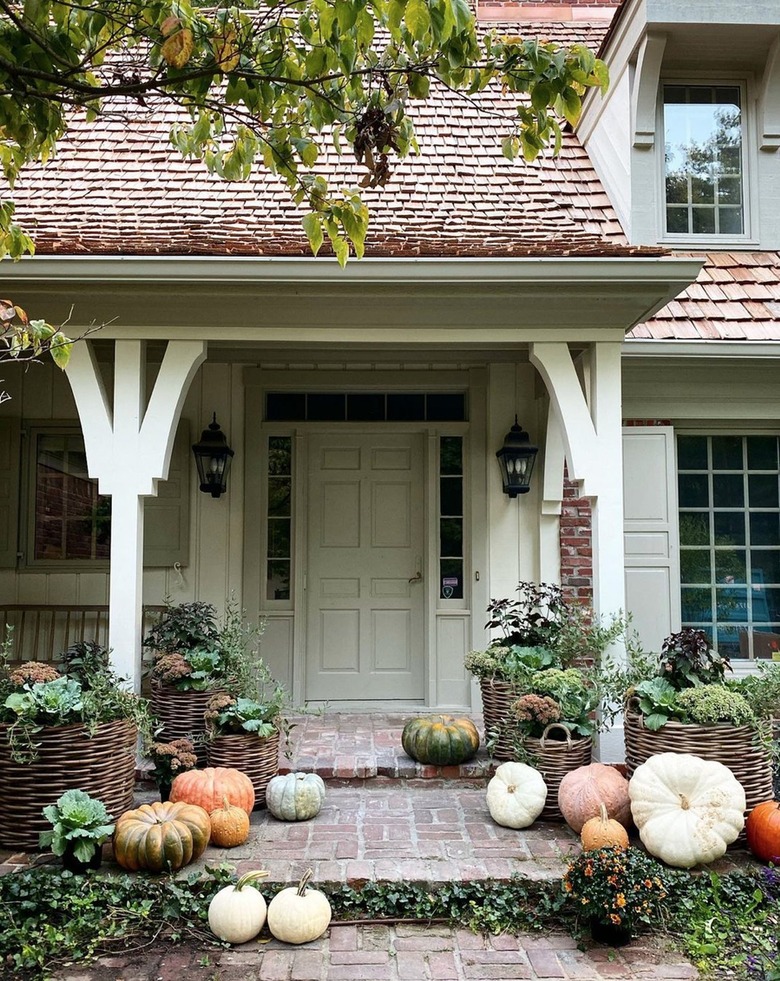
x,y
225,803
248,877
603,813
305,881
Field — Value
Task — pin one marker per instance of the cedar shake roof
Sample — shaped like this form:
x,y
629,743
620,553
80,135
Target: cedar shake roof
x,y
735,298
117,187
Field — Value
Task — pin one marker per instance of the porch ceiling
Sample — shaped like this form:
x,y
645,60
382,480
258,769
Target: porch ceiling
x,y
394,302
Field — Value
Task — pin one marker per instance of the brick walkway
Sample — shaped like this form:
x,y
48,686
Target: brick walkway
x,y
386,818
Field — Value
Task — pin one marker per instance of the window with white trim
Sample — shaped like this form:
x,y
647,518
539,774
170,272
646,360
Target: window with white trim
x,y
705,191
729,515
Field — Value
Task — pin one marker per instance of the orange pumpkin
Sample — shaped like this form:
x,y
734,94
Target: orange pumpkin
x,y
582,791
763,831
207,788
161,837
229,825
603,832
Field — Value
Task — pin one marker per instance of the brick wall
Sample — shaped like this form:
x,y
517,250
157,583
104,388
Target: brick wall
x,y
576,544
514,11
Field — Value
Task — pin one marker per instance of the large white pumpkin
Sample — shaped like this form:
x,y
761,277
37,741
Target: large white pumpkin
x,y
516,795
298,915
687,810
237,913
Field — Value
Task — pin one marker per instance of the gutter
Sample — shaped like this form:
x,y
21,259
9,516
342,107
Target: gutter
x,y
646,348
250,269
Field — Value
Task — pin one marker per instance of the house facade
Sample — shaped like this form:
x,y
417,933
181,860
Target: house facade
x,y
619,301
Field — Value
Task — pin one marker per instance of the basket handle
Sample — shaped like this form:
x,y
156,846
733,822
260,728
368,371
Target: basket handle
x,y
632,705
556,725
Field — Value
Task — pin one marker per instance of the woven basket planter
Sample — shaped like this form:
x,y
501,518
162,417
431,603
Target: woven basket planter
x,y
497,696
180,713
554,758
67,759
256,756
733,746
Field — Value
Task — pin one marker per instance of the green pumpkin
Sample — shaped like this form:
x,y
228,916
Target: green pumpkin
x,y
440,739
295,796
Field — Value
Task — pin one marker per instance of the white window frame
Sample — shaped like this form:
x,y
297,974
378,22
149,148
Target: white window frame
x,y
749,238
747,665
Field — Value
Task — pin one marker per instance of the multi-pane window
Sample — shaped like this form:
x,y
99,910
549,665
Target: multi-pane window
x,y
729,513
451,517
704,173
279,518
365,407
71,521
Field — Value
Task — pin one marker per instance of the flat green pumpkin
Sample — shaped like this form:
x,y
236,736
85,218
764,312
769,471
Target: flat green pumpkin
x,y
441,740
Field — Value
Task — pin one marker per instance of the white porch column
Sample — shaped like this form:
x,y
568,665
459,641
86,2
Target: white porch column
x,y
128,451
591,430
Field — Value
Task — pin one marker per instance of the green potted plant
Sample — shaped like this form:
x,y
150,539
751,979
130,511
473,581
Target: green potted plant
x,y
192,658
169,760
616,890
60,732
685,704
80,826
244,732
552,726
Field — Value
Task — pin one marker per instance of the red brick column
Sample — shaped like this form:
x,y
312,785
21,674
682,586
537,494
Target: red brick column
x,y
576,544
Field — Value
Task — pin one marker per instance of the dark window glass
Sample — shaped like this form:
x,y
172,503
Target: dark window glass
x,y
730,565
279,579
369,407
696,605
451,585
762,452
451,536
279,455
694,528
405,408
762,490
764,528
451,491
732,605
279,496
451,455
728,491
693,490
72,520
726,452
729,528
446,408
692,452
765,566
695,566
285,406
326,407
728,641
279,518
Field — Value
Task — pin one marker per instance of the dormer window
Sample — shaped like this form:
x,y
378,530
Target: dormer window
x,y
703,160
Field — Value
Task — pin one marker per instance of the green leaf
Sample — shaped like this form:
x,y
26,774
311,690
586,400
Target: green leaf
x,y
312,225
417,18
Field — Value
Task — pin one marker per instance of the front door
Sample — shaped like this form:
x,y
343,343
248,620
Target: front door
x,y
365,591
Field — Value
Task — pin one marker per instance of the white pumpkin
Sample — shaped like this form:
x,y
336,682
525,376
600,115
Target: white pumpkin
x,y
295,796
236,913
687,810
516,795
298,915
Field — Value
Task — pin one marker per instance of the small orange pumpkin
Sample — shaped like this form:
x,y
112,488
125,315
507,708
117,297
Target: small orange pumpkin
x,y
763,831
229,825
208,787
602,832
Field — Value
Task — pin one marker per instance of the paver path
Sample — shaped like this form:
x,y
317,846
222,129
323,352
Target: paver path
x,y
401,953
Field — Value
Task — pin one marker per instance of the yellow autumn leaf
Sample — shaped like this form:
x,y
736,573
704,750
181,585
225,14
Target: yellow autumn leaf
x,y
226,52
169,25
177,49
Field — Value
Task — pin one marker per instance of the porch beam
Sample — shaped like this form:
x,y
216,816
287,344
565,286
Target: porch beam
x,y
128,451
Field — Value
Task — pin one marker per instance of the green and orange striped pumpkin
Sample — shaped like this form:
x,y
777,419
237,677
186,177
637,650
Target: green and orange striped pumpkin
x,y
161,837
440,739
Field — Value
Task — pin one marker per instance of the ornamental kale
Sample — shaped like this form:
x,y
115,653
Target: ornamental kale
x,y
78,818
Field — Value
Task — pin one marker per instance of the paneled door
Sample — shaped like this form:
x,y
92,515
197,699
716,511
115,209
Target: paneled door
x,y
365,590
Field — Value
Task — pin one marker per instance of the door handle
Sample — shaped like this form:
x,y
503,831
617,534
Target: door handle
x,y
417,577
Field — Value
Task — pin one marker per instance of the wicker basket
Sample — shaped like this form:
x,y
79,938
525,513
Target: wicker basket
x,y
180,713
497,696
554,758
256,756
733,746
102,765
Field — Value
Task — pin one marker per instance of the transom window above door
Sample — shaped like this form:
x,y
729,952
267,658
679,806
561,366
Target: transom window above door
x,y
729,514
365,407
704,173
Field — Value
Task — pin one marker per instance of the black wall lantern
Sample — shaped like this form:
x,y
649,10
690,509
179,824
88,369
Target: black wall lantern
x,y
213,457
516,459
